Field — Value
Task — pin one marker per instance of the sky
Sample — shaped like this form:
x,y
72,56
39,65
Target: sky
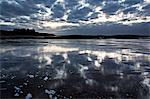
x,y
78,17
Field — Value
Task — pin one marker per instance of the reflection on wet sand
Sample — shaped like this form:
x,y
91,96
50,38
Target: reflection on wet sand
x,y
59,71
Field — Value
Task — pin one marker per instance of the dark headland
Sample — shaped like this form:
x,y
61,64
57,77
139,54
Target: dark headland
x,y
32,34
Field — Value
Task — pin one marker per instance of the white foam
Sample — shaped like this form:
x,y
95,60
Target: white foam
x,y
89,59
65,56
16,94
146,81
46,78
17,88
31,76
50,93
29,96
61,74
97,64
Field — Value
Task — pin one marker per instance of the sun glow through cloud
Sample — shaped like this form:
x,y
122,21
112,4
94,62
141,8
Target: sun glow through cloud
x,y
7,23
56,25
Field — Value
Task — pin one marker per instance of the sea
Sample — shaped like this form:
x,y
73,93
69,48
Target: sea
x,y
75,68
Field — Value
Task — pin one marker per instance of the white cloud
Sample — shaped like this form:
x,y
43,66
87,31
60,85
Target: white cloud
x,y
62,1
147,1
89,14
11,2
48,10
7,23
97,9
44,16
24,17
132,21
56,25
65,17
81,2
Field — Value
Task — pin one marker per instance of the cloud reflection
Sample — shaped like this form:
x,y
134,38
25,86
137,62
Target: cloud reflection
x,y
78,68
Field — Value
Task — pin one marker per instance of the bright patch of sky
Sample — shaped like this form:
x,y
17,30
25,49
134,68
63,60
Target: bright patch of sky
x,y
7,23
56,25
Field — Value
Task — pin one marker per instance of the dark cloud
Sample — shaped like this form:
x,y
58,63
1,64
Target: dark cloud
x,y
130,10
111,29
79,14
4,27
94,2
111,8
58,11
29,13
28,7
71,4
9,10
146,10
147,7
132,2
94,15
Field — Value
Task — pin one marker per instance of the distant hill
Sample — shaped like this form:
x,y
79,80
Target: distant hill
x,y
32,34
23,32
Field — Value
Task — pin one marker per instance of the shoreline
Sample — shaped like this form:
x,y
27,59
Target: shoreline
x,y
32,34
